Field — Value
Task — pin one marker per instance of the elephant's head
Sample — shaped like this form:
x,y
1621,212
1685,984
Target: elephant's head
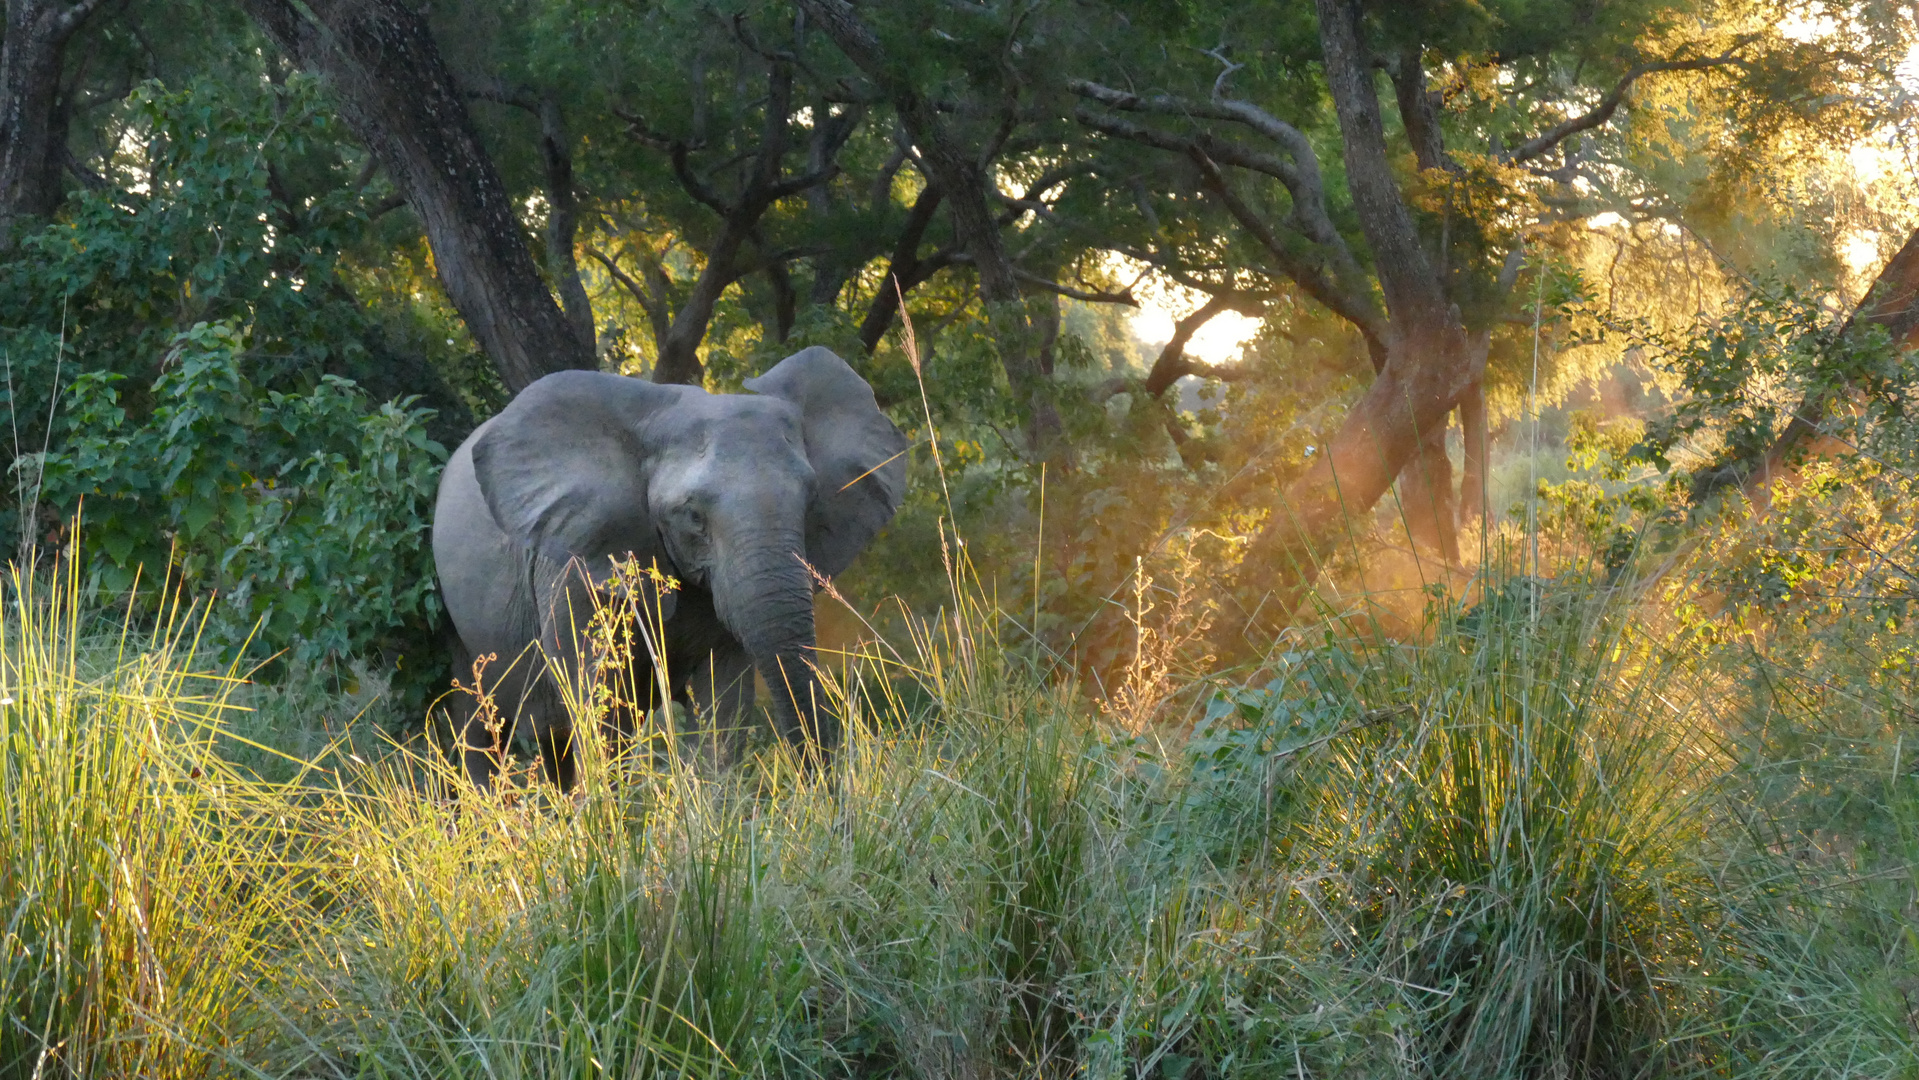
x,y
735,494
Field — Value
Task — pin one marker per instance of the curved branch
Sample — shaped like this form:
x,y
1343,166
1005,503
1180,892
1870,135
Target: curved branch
x,y
654,306
1046,284
904,267
63,24
1033,199
1173,363
1217,149
1301,175
1609,104
1311,279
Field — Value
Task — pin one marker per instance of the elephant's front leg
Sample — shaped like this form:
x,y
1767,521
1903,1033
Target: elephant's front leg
x,y
483,716
720,695
629,679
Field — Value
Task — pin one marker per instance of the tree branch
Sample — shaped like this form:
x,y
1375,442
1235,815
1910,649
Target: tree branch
x,y
1609,104
1310,279
562,222
1124,296
679,153
882,188
63,24
1033,199
964,180
498,92
1419,112
1301,175
1219,150
1173,363
903,267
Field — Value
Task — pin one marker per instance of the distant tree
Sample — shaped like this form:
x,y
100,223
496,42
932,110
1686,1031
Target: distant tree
x,y
1507,131
35,105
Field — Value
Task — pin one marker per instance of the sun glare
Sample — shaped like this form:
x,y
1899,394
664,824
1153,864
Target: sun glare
x,y
1861,251
1218,342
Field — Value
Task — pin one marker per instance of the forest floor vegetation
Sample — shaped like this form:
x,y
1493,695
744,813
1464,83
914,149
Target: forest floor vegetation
x,y
1546,840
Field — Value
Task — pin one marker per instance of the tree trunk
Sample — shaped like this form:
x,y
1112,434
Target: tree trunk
x,y
562,222
395,91
32,135
1428,363
1426,497
1474,512
679,351
679,360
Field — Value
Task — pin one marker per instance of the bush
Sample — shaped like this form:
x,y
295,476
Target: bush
x,y
304,515
196,348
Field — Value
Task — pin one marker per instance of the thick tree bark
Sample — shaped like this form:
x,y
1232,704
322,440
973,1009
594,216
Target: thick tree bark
x,y
1474,512
1893,303
1426,497
33,135
562,223
964,180
1428,361
397,94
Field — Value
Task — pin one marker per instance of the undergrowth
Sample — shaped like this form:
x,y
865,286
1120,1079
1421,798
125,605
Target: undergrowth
x,y
1523,848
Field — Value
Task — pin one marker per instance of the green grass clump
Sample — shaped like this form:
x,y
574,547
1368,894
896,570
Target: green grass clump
x,y
130,908
1526,861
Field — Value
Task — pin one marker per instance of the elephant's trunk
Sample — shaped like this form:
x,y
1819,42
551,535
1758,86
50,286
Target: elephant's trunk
x,y
763,593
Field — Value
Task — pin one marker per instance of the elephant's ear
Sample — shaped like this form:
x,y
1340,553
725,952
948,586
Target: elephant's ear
x,y
563,467
858,456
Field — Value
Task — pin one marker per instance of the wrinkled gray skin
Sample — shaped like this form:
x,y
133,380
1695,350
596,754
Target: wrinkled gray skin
x,y
726,491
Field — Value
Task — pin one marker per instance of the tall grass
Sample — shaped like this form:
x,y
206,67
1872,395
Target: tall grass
x,y
130,909
1526,863
1506,852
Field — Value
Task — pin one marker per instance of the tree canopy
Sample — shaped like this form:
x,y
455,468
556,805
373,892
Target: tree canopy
x,y
1433,210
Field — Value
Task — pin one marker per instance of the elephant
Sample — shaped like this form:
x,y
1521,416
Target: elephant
x,y
749,500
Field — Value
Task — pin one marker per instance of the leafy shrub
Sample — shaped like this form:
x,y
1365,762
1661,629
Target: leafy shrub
x,y
1747,373
195,349
304,512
